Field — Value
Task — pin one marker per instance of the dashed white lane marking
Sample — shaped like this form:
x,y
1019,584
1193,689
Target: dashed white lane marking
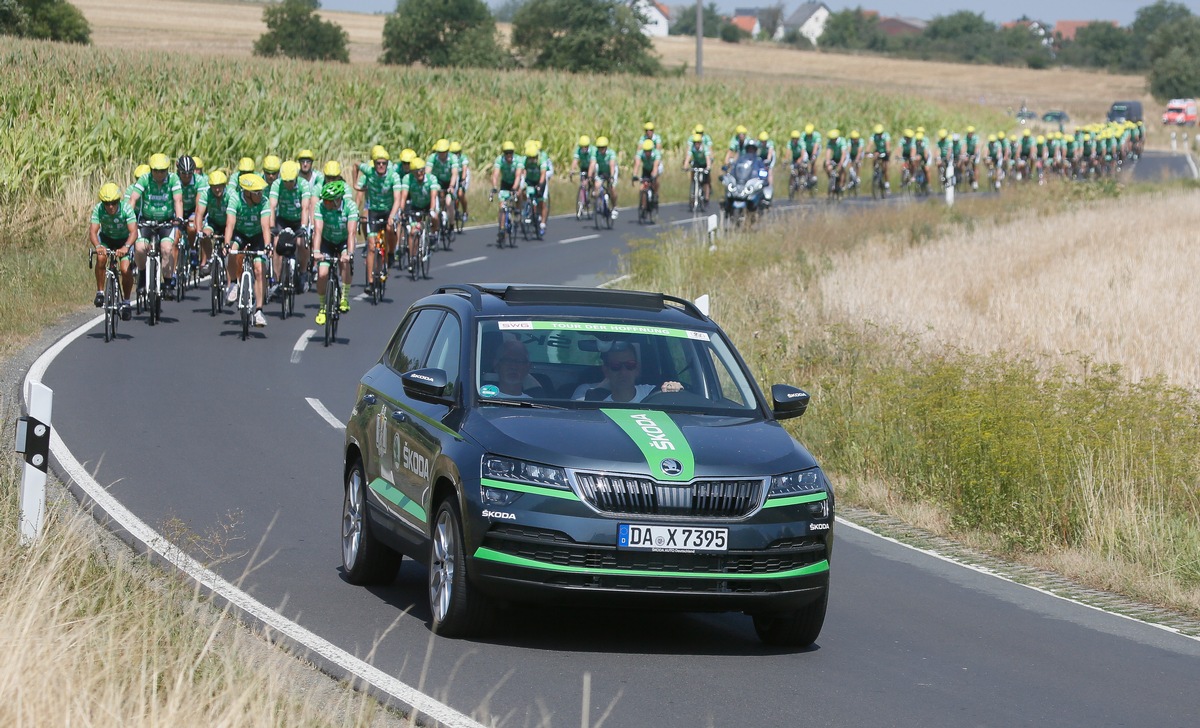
x,y
578,239
457,263
325,413
301,345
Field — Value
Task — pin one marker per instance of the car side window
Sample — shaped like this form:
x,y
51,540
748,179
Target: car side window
x,y
415,340
446,347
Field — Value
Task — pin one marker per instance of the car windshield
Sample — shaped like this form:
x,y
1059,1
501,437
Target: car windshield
x,y
577,363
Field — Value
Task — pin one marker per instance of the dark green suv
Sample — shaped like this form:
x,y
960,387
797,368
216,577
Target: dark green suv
x,y
535,444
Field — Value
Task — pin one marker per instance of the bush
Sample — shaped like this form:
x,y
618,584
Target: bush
x,y
44,19
294,30
448,33
730,33
1174,75
583,36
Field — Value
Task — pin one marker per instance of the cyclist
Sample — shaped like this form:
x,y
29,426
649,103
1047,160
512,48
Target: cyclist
x,y
378,198
944,155
1041,154
1024,153
651,135
363,168
972,149
271,165
504,179
140,171
444,167
192,183
908,143
248,225
245,166
404,167
603,171
420,192
161,199
837,159
210,215
707,140
811,138
923,155
737,144
881,145
581,160
799,154
335,227
766,152
313,176
464,177
699,157
112,231
857,149
533,171
290,200
995,158
649,162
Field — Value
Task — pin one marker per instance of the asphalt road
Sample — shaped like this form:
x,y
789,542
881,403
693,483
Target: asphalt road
x,y
214,440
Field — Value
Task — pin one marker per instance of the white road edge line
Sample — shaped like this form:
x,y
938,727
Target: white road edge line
x,y
326,415
1002,577
301,345
578,239
139,530
457,263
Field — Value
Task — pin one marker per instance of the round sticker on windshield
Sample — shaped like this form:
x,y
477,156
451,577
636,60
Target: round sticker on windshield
x,y
489,390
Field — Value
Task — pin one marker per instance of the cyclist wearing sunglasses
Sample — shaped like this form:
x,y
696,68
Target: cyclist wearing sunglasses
x,y
621,370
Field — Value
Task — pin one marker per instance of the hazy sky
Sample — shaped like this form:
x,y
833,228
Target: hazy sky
x,y
1122,11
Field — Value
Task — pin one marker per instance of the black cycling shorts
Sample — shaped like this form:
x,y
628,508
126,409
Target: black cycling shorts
x,y
333,248
377,220
111,243
249,242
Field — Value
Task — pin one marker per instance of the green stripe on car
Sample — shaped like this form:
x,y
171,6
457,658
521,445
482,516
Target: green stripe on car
x,y
392,494
667,452
492,555
526,488
795,500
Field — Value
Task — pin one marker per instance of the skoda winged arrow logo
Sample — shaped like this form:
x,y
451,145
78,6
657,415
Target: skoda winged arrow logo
x,y
671,466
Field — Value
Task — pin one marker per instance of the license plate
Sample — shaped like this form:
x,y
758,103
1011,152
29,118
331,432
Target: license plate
x,y
679,539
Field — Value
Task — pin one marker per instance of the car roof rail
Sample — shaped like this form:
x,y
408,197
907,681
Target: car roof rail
x,y
469,291
549,295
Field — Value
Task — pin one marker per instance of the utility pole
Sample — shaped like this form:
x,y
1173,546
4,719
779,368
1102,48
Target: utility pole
x,y
699,38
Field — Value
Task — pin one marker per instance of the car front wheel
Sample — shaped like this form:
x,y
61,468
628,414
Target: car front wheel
x,y
796,628
365,559
457,609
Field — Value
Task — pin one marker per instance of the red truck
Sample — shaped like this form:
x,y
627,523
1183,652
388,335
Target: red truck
x,y
1180,112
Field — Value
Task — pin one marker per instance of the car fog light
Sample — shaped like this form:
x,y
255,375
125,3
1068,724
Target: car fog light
x,y
498,497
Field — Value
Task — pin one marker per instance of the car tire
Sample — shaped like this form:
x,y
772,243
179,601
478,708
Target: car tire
x,y
364,559
796,628
456,608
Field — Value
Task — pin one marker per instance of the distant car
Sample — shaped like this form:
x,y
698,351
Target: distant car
x,y
1024,116
1180,112
570,445
1126,111
1056,117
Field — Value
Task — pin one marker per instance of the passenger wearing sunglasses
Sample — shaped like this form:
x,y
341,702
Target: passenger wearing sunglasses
x,y
622,369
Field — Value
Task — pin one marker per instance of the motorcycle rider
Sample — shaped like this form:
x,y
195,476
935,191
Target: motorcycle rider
x,y
757,169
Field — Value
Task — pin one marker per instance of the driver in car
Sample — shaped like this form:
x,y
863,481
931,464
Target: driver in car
x,y
622,369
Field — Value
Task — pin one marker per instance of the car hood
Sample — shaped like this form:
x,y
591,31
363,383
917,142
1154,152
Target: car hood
x,y
639,440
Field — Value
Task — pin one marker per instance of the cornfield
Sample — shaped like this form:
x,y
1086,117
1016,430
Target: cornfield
x,y
84,113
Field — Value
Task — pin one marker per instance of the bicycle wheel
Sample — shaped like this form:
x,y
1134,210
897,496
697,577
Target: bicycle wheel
x,y
601,210
414,263
216,287
110,309
153,290
608,211
423,251
245,299
331,303
447,227
537,224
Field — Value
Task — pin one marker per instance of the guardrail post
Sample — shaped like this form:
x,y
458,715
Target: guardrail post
x,y
33,442
712,231
1174,148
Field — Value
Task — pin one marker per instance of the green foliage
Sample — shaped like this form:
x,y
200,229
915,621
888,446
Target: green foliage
x,y
853,30
1175,75
1149,20
730,33
1098,45
443,33
295,30
583,36
44,19
685,21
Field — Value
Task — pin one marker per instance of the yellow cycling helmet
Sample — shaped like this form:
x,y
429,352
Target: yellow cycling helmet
x,y
698,129
878,129
442,145
942,133
332,169
740,129
109,192
970,129
407,156
417,164
1027,133
252,183
508,147
245,164
854,134
648,126
908,133
531,149
289,170
159,162
1000,134
378,152
455,147
991,137
199,163
647,145
763,136
305,154
920,130
602,141
920,136
834,133
795,133
217,178
585,141
271,163
809,128
697,139
141,171
1041,139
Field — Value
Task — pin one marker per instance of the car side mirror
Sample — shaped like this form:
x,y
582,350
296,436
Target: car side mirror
x,y
788,401
426,384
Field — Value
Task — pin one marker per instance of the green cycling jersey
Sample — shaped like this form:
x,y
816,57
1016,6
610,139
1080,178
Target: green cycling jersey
x,y
379,189
335,223
157,200
420,194
289,202
247,217
115,225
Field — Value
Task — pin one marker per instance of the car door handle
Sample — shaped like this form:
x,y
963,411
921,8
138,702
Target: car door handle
x,y
399,416
368,399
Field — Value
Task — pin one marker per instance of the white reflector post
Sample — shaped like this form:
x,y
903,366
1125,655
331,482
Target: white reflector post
x,y
33,480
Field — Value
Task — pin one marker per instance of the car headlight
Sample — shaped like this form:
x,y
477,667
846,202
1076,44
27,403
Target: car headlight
x,y
798,483
523,471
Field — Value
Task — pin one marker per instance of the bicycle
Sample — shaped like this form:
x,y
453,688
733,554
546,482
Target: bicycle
x,y
879,188
507,213
375,249
218,278
419,268
794,180
447,216
333,295
836,186
246,302
112,293
187,267
604,205
583,200
289,274
646,202
149,297
531,217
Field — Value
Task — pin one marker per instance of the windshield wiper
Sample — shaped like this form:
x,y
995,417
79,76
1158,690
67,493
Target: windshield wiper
x,y
522,403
